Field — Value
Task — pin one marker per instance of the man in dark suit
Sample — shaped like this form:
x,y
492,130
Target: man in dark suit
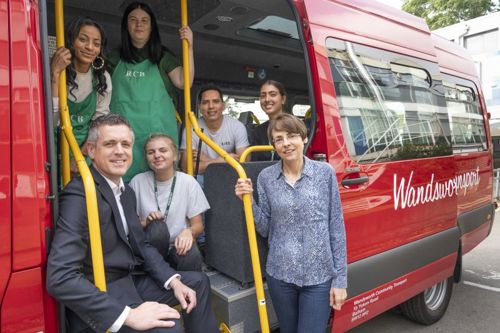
x,y
140,283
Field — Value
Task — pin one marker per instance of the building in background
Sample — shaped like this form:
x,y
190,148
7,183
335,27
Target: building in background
x,y
481,37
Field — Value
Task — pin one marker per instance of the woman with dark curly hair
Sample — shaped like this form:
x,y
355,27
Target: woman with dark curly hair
x,y
88,82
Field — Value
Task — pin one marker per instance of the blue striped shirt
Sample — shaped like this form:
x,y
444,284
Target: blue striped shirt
x,y
304,225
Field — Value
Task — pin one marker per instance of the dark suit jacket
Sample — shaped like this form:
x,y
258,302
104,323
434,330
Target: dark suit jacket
x,y
69,268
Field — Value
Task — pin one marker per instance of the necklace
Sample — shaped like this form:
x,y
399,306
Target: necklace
x,y
170,196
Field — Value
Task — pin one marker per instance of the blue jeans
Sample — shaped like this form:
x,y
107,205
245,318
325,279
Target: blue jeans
x,y
300,309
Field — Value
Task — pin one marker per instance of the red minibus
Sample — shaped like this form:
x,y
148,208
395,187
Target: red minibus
x,y
397,111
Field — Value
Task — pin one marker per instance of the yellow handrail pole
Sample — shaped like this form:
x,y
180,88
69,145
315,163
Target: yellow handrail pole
x,y
178,117
252,238
247,200
187,93
63,105
251,149
92,211
254,117
88,182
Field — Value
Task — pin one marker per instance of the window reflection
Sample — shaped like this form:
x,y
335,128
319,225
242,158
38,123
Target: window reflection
x,y
392,107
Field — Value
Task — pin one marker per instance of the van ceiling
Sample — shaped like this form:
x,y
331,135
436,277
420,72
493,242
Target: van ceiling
x,y
225,48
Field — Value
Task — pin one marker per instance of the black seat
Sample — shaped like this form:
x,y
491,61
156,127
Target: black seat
x,y
227,247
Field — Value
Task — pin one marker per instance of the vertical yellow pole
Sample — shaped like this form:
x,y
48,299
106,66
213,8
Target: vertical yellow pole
x,y
252,238
63,105
187,92
68,139
247,200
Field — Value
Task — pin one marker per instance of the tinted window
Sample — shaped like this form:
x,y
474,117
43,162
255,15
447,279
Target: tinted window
x,y
466,118
392,106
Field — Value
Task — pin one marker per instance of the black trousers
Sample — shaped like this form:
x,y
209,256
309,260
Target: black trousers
x,y
158,235
200,320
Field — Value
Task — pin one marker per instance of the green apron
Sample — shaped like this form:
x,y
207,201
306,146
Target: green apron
x,y
139,95
81,114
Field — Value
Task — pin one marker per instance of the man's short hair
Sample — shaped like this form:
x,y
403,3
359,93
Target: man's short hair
x,y
288,123
110,119
208,87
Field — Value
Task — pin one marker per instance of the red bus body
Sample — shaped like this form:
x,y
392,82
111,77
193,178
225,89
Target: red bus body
x,y
373,225
377,232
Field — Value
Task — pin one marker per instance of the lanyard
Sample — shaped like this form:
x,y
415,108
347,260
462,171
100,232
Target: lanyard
x,y
169,196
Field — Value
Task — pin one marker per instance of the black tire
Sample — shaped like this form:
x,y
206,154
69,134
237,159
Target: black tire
x,y
429,306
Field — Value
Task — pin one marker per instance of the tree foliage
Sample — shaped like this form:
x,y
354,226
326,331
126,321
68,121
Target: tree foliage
x,y
441,13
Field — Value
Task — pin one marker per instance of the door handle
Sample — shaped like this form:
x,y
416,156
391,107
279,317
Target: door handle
x,y
354,181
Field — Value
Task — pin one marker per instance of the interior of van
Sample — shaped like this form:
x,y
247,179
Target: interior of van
x,y
238,45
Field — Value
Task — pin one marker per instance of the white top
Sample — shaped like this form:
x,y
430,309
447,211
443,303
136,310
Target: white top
x,y
117,191
84,82
188,199
232,135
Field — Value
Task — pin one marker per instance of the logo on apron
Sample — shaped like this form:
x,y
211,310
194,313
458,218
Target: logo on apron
x,y
77,119
130,73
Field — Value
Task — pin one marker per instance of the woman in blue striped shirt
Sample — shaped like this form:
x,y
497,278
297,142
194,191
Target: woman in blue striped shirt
x,y
300,213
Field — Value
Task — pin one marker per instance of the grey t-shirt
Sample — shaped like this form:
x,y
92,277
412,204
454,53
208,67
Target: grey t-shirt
x,y
188,199
232,135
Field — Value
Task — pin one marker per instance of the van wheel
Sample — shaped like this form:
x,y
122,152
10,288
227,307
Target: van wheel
x,y
429,306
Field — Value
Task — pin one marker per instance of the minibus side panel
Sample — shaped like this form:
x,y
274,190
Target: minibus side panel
x,y
23,310
373,222
30,207
457,66
475,212
5,171
377,23
388,295
391,238
453,58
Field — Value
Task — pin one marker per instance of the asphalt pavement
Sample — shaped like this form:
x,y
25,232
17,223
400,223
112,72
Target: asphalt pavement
x,y
474,305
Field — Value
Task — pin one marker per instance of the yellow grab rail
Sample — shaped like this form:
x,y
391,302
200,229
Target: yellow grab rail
x,y
247,206
88,181
251,149
254,117
247,199
63,105
187,92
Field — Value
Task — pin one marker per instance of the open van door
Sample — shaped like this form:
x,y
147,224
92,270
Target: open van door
x,y
5,169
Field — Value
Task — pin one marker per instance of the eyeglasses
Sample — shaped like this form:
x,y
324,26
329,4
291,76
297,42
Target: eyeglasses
x,y
280,140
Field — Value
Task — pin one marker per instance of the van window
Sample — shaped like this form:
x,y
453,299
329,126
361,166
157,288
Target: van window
x,y
392,106
466,119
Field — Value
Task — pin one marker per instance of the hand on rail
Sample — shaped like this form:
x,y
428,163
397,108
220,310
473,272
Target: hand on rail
x,y
186,33
185,295
73,167
243,186
184,242
60,60
149,315
337,297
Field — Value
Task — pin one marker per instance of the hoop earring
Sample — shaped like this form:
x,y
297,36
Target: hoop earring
x,y
98,63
